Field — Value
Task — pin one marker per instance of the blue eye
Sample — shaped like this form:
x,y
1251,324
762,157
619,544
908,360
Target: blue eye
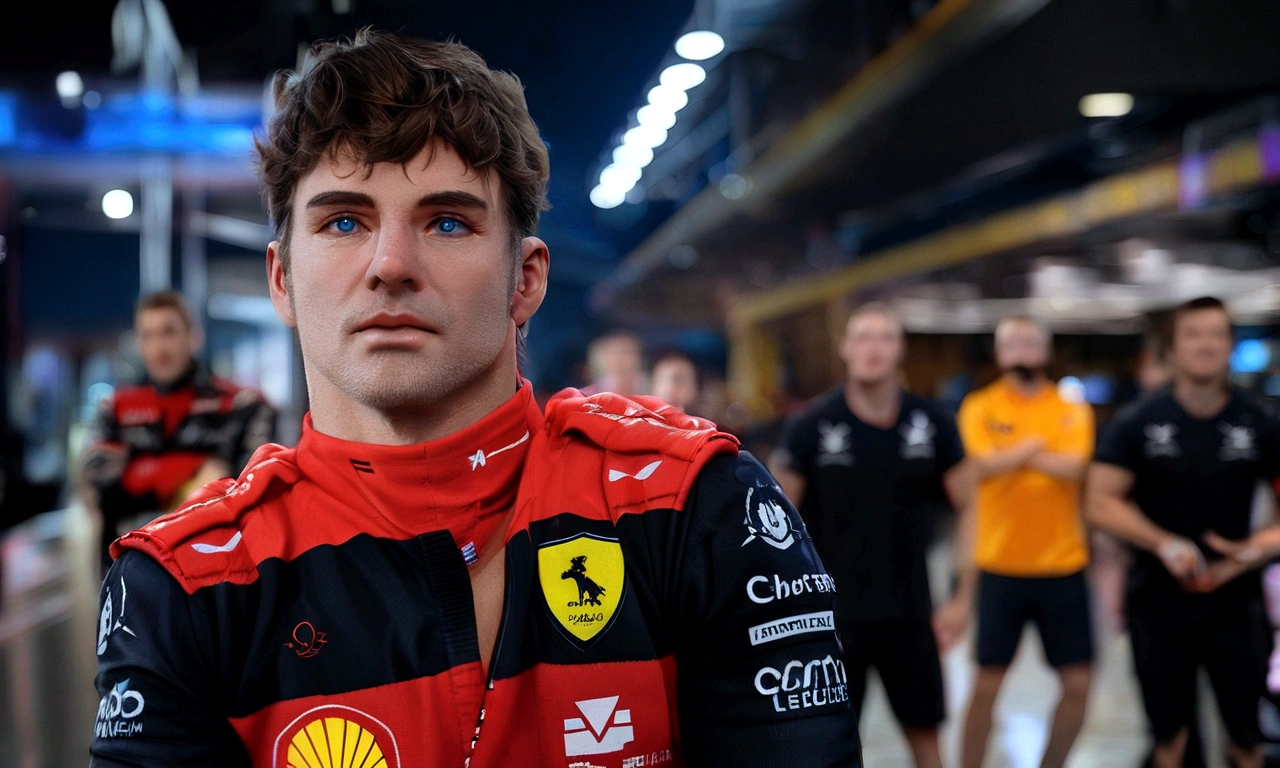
x,y
345,224
449,226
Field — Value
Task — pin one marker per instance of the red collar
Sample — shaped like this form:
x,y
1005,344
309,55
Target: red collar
x,y
465,482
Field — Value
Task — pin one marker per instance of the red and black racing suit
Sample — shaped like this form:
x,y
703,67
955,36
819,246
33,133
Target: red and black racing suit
x,y
168,433
664,606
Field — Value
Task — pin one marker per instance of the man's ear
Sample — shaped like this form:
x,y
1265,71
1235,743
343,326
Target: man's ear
x,y
278,285
531,281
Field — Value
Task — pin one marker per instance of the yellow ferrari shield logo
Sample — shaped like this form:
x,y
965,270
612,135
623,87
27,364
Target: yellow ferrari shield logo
x,y
582,580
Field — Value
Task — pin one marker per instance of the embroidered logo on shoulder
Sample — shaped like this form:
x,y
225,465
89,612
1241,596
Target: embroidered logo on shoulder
x,y
583,579
213,549
644,474
768,521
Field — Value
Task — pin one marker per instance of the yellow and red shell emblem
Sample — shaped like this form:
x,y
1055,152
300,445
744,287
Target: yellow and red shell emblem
x,y
336,736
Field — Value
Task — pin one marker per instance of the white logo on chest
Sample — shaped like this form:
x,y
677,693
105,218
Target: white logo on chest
x,y
1237,443
833,444
917,437
1160,440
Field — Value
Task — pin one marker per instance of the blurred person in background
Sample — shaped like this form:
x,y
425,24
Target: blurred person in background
x,y
1030,450
615,362
378,591
156,442
674,380
868,464
1175,476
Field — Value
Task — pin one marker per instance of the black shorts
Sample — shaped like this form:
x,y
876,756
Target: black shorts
x,y
905,655
1058,605
1173,638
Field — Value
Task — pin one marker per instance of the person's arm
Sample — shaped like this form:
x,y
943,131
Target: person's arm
x,y
951,621
985,458
1002,462
760,674
1072,447
1108,508
1263,545
791,461
104,459
1063,466
157,682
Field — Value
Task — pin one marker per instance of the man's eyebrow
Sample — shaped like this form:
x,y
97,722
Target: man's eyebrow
x,y
340,197
453,198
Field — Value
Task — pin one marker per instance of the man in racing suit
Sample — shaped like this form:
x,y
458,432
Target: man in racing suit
x,y
440,574
156,442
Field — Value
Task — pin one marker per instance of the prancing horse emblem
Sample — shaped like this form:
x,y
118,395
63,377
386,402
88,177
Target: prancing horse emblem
x,y
589,592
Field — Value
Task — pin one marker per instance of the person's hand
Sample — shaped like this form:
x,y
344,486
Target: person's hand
x,y
1240,555
950,622
1214,575
1245,551
104,464
1028,448
1181,557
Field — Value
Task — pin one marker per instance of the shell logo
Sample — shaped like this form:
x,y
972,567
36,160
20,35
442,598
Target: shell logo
x,y
336,736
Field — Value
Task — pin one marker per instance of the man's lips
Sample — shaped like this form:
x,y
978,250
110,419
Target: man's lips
x,y
394,322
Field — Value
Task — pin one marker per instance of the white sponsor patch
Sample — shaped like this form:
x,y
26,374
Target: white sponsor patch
x,y
603,728
821,621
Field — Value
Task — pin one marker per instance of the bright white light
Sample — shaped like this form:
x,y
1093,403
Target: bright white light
x,y
668,98
603,197
69,85
117,204
699,45
683,76
656,116
620,177
1106,104
645,136
633,155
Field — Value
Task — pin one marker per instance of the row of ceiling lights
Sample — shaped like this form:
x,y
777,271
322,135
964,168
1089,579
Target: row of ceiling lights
x,y
656,118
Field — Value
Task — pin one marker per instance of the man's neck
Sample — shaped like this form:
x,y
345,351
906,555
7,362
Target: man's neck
x,y
338,416
1201,398
1025,387
874,402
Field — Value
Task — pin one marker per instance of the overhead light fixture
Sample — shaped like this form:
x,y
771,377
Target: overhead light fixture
x,y
1106,104
620,177
69,85
699,45
683,76
603,197
645,136
656,116
668,98
633,155
117,204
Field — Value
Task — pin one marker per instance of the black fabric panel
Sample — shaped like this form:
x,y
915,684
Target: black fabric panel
x,y
389,611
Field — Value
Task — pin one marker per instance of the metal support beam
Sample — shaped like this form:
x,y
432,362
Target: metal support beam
x,y
157,224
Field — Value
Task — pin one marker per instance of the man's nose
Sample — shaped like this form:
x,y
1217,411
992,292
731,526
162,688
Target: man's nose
x,y
395,261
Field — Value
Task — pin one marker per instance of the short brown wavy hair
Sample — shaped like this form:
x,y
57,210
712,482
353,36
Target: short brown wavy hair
x,y
382,97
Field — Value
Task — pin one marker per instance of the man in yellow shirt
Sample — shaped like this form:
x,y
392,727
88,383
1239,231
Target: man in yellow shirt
x,y
1030,448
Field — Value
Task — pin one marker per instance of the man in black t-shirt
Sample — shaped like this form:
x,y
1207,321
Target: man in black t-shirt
x,y
1175,475
868,465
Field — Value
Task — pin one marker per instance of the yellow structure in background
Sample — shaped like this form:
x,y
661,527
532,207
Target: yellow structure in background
x,y
1153,189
